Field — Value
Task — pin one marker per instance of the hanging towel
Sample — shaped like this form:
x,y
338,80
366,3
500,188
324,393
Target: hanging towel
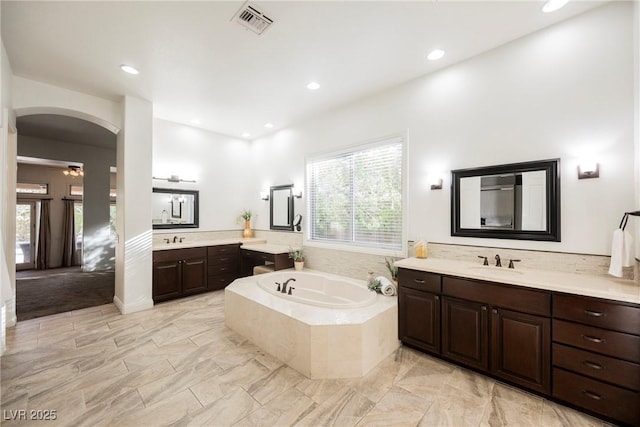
x,y
627,252
617,251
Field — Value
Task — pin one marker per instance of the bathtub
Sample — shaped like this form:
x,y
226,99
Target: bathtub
x,y
330,327
320,290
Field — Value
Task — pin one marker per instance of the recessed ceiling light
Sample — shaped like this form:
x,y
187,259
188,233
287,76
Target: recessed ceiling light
x,y
246,135
313,86
195,121
268,125
129,69
435,54
553,5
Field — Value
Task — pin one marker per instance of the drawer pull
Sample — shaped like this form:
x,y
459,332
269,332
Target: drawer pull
x,y
421,281
594,396
593,313
593,339
593,365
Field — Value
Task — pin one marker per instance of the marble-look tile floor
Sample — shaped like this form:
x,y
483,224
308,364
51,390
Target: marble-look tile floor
x,y
178,364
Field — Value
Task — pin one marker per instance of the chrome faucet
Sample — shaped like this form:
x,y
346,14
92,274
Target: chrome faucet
x,y
284,285
498,262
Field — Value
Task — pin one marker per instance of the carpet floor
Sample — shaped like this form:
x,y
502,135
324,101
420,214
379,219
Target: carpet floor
x,y
51,292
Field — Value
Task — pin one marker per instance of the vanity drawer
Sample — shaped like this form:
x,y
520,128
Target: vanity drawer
x,y
220,281
616,344
230,267
179,254
596,312
223,251
259,256
619,372
419,280
605,399
505,296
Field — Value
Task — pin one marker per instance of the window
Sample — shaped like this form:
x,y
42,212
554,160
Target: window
x,y
356,196
75,190
27,188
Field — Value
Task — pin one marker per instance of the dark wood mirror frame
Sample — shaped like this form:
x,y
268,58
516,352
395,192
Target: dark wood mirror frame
x,y
289,225
193,193
552,172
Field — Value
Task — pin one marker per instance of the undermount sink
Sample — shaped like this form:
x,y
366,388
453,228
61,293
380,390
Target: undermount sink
x,y
490,270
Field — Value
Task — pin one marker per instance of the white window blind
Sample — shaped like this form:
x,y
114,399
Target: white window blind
x,y
355,197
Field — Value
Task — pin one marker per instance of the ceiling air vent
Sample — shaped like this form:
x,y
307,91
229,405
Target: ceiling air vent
x,y
251,17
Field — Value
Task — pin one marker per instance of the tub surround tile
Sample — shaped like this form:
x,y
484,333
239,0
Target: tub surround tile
x,y
217,377
318,342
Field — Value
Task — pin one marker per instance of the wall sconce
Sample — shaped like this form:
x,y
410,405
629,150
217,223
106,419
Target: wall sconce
x,y
297,193
264,196
174,178
588,169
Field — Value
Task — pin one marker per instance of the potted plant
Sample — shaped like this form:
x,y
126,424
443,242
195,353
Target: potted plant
x,y
393,270
297,255
246,216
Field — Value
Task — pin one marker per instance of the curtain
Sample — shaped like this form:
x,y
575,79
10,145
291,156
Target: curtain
x,y
68,234
43,246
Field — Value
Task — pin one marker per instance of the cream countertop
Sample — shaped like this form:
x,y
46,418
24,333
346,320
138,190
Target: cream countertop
x,y
161,246
268,248
599,286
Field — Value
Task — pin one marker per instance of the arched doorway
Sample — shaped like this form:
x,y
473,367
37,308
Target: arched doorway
x,y
74,257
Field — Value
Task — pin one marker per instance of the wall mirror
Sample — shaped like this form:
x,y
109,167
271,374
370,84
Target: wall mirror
x,y
172,208
514,201
281,198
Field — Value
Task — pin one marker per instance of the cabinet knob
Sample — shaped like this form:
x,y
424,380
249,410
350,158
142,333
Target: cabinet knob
x,y
494,311
483,308
437,298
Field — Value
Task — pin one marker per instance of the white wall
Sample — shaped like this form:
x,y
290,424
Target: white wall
x,y
33,97
220,165
563,92
133,288
7,201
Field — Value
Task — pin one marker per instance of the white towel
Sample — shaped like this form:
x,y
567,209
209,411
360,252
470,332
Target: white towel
x,y
386,287
627,253
621,252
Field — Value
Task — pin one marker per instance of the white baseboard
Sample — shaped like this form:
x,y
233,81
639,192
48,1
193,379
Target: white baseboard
x,y
132,308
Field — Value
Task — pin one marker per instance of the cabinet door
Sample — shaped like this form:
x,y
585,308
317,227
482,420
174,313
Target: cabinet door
x,y
465,336
419,319
167,276
194,276
520,348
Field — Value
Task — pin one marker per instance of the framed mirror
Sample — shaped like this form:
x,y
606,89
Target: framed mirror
x,y
513,201
281,208
172,208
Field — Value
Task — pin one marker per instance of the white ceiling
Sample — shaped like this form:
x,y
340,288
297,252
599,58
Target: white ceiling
x,y
195,63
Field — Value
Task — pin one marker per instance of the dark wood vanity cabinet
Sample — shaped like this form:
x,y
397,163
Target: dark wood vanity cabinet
x,y
501,329
179,272
250,258
578,350
223,265
419,309
465,337
596,356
